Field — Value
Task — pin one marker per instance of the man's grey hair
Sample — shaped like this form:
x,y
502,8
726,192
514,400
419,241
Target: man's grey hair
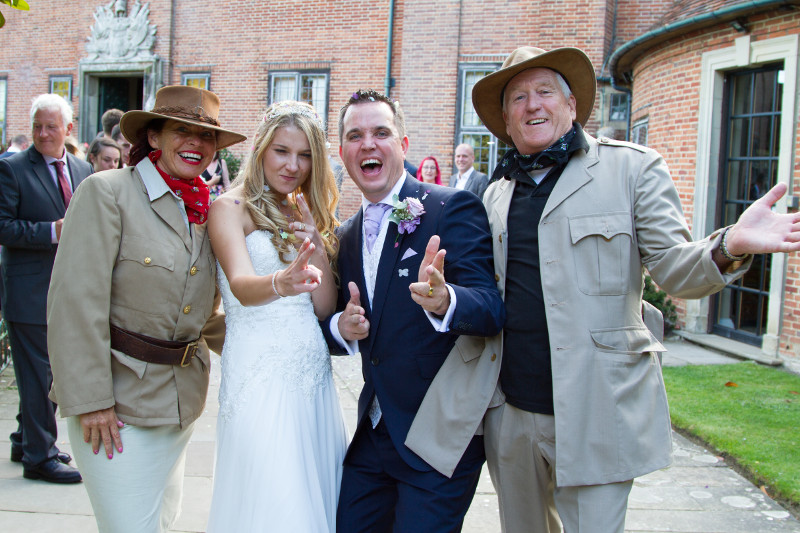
x,y
562,84
51,102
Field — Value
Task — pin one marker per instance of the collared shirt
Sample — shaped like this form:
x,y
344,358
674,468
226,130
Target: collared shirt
x,y
462,180
157,187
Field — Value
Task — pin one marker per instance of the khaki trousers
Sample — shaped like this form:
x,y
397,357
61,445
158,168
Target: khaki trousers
x,y
140,489
521,456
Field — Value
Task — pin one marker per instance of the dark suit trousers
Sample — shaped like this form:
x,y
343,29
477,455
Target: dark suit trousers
x,y
380,493
33,375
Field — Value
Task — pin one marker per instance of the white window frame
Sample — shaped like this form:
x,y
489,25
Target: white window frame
x,y
61,79
186,77
321,106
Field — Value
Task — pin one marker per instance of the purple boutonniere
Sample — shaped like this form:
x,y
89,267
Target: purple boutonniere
x,y
406,215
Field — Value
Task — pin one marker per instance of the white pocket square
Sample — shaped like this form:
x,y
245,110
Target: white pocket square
x,y
408,253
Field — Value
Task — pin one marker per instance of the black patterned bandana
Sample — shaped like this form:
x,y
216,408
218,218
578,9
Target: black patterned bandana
x,y
514,165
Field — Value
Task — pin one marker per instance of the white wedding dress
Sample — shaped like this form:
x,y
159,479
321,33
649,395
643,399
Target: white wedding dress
x,y
281,438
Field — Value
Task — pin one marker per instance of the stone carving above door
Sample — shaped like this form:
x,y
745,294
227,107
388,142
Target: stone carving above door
x,y
119,34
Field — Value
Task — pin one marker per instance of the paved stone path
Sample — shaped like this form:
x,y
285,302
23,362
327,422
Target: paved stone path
x,y
698,494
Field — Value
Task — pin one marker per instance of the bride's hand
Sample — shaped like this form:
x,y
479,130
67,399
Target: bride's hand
x,y
307,228
299,276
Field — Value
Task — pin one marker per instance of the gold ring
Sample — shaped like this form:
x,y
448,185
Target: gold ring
x,y
430,290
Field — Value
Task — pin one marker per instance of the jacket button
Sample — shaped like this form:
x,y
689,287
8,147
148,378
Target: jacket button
x,y
500,238
193,271
497,277
147,260
494,356
187,309
374,361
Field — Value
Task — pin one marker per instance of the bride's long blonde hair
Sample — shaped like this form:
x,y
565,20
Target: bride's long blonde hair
x,y
319,190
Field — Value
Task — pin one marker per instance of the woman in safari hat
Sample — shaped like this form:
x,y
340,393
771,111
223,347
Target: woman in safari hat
x,y
132,312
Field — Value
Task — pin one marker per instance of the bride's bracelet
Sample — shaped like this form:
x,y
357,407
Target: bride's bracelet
x,y
274,286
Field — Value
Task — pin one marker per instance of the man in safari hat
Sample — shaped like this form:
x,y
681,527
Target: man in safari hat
x,y
580,407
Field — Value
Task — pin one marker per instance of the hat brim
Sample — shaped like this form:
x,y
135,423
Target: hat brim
x,y
571,63
133,122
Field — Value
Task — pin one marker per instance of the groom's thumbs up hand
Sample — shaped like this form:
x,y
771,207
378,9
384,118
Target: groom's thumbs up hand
x,y
353,325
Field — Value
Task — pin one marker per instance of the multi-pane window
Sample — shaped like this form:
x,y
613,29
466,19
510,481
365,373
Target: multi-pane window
x,y
62,86
308,87
3,91
639,132
201,80
470,128
618,108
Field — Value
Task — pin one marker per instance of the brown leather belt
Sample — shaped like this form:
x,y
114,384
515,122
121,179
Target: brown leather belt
x,y
152,350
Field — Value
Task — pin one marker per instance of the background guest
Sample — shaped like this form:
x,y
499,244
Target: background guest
x,y
18,144
104,154
467,177
429,171
109,119
123,143
36,186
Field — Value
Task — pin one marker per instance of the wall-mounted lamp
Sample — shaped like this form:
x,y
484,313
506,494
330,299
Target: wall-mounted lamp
x,y
739,25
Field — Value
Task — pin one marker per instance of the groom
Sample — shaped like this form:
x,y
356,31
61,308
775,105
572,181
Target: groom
x,y
404,302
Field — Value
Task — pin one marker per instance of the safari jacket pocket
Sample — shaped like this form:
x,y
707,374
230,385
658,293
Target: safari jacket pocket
x,y
136,366
469,346
147,252
602,252
632,340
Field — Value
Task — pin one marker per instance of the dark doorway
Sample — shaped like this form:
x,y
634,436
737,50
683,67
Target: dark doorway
x,y
123,93
749,168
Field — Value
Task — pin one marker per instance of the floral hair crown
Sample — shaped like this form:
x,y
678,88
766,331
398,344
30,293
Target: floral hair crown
x,y
280,109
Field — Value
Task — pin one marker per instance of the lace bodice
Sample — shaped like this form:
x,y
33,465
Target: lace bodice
x,y
282,337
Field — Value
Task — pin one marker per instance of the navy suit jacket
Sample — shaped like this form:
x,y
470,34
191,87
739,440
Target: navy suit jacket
x,y
29,202
403,352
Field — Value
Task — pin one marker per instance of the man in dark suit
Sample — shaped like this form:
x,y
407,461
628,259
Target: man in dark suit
x,y
467,177
403,306
35,188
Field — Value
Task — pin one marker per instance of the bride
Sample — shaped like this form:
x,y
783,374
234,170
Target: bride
x,y
280,434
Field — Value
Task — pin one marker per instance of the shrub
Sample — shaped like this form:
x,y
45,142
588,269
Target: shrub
x,y
658,298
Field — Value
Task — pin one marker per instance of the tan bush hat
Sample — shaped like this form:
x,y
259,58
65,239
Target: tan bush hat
x,y
571,63
184,104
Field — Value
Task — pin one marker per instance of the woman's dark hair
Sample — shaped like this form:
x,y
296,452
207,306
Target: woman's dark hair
x,y
140,148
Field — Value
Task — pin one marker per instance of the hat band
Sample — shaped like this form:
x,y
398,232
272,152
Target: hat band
x,y
198,114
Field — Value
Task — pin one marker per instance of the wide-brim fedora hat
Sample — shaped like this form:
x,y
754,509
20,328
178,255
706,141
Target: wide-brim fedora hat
x,y
573,65
189,105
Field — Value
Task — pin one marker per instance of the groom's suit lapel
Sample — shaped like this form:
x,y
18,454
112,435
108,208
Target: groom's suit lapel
x,y
389,258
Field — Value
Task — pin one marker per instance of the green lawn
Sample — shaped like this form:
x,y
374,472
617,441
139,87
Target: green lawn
x,y
748,412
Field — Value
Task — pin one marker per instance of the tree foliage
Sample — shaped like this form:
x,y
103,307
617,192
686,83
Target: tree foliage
x,y
22,5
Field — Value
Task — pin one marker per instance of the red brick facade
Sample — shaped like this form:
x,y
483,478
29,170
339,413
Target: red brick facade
x,y
241,43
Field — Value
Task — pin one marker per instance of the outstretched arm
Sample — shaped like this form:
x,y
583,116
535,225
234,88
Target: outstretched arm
x,y
760,230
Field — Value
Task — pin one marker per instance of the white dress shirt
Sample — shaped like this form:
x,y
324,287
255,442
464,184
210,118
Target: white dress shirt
x,y
462,180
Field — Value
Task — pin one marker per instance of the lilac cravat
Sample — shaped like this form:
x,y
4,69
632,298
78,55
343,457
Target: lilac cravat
x,y
373,215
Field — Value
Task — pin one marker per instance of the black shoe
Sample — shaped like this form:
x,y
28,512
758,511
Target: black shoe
x,y
52,471
16,456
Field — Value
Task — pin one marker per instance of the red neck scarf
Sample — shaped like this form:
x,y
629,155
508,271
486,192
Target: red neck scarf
x,y
194,193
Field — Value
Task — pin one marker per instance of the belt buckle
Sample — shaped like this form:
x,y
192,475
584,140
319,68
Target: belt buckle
x,y
193,347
